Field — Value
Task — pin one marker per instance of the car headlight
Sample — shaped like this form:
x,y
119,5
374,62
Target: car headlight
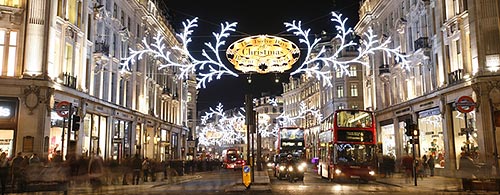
x,y
301,168
269,164
372,173
290,168
303,164
338,171
282,168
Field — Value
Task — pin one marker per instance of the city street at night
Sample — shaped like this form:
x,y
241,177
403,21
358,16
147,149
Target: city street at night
x,y
271,97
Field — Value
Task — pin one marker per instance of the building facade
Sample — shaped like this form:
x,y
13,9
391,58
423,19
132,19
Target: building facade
x,y
454,52
62,62
268,109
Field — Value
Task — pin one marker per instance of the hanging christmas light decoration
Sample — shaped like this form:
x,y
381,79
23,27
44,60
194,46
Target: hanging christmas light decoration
x,y
212,66
189,64
369,45
219,129
286,120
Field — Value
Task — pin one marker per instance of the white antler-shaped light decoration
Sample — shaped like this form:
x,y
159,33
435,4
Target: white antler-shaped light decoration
x,y
286,120
218,129
311,65
189,63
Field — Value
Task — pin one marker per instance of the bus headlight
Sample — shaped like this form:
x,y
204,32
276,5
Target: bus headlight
x,y
372,173
282,168
338,171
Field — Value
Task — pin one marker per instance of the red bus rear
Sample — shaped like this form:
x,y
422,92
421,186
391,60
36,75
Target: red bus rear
x,y
232,159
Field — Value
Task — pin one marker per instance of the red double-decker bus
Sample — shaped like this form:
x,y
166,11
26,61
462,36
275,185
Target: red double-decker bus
x,y
347,146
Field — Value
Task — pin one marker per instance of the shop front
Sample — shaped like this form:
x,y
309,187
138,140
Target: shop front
x,y
431,138
121,144
8,124
388,138
94,134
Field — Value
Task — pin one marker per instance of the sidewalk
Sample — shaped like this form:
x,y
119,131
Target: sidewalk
x,y
434,183
86,187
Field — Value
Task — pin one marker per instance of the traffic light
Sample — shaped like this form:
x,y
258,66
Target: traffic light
x,y
409,127
416,131
75,126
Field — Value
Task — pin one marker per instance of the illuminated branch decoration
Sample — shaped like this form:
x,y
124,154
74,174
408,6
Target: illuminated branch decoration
x,y
273,102
218,129
312,63
189,64
285,120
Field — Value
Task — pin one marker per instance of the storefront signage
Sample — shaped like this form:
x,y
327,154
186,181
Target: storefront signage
x,y
5,112
263,54
62,109
465,104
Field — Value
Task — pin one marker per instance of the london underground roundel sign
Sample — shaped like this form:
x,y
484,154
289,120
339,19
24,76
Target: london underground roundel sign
x,y
465,104
263,54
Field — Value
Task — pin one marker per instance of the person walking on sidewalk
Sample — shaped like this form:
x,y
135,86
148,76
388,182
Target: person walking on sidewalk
x,y
146,166
136,167
407,163
431,164
467,168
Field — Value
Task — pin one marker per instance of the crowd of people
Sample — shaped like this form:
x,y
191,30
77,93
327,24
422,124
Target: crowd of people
x,y
17,171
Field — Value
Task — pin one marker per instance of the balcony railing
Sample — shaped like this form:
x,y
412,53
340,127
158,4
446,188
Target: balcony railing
x,y
69,80
101,47
455,76
384,70
422,42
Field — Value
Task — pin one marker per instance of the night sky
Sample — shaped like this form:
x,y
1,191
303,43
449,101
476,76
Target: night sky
x,y
254,17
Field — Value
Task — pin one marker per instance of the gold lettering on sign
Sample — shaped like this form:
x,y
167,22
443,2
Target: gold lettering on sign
x,y
263,54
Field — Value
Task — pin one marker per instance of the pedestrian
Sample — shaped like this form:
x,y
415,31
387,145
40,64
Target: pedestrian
x,y
16,169
431,164
4,170
425,166
146,165
96,171
407,163
467,169
34,159
136,169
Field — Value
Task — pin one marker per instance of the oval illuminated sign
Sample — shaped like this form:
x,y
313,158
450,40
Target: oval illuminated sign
x,y
263,54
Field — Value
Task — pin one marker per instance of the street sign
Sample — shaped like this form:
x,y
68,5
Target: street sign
x,y
247,176
465,104
62,109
